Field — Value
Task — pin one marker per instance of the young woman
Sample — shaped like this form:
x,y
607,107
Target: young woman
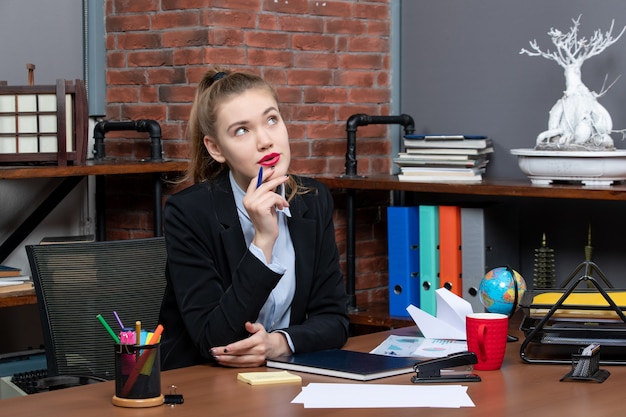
x,y
253,268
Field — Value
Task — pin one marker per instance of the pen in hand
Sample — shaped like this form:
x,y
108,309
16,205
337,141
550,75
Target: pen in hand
x,y
259,180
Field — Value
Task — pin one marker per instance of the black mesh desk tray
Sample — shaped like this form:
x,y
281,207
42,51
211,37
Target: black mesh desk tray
x,y
558,322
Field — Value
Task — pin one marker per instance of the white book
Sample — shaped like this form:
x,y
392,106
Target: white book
x,y
448,151
455,157
458,144
442,171
440,163
9,282
441,178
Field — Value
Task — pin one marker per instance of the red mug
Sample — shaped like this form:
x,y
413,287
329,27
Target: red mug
x,y
486,337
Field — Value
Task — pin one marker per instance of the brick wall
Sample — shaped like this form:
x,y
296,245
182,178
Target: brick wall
x,y
327,59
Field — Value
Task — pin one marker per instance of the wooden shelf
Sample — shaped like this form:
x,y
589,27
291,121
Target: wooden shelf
x,y
18,298
505,188
377,314
105,167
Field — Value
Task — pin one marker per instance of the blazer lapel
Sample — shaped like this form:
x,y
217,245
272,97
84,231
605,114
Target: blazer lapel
x,y
233,243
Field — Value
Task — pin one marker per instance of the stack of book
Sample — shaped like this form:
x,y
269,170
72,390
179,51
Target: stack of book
x,y
12,280
444,158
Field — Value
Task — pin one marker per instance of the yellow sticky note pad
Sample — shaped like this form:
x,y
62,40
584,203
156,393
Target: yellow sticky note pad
x,y
270,377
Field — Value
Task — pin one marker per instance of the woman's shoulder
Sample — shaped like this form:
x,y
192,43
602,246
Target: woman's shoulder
x,y
310,183
192,191
201,191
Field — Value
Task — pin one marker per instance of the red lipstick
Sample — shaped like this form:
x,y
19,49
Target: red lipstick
x,y
269,159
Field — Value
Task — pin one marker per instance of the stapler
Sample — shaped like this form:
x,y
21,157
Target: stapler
x,y
429,371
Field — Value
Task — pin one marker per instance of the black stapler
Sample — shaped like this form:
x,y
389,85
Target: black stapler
x,y
429,371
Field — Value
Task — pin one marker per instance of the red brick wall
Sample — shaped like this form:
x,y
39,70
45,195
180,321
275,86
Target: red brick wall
x,y
327,59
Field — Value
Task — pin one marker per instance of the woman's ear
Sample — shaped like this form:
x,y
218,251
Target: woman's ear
x,y
213,149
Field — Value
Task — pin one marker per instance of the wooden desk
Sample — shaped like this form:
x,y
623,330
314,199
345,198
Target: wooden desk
x,y
518,389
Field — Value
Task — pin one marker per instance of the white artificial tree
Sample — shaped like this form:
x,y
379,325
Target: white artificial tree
x,y
577,121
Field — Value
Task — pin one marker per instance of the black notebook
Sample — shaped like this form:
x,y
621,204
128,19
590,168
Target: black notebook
x,y
345,364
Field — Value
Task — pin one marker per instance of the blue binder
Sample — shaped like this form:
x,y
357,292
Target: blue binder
x,y
429,257
403,246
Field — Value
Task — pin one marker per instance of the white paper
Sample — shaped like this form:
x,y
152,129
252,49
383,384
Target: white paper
x,y
419,347
402,346
450,320
438,348
338,395
452,309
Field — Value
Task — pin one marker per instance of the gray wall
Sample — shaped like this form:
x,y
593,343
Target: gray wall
x,y
461,71
48,34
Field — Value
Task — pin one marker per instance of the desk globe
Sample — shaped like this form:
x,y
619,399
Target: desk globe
x,y
497,290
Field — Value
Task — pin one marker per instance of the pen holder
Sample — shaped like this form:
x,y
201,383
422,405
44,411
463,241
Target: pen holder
x,y
586,368
137,376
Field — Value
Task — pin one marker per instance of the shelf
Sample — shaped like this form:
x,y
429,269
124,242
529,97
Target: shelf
x,y
91,167
374,315
72,175
496,188
18,298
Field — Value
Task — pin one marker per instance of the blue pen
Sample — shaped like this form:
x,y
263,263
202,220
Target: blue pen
x,y
259,180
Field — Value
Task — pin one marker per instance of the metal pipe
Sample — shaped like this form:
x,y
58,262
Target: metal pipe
x,y
152,127
352,125
361,119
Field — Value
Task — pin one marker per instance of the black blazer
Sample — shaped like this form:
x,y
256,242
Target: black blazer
x,y
215,284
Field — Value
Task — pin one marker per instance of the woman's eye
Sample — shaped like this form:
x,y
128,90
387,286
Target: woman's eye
x,y
272,120
240,131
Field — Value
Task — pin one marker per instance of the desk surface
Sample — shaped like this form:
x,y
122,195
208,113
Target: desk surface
x,y
518,389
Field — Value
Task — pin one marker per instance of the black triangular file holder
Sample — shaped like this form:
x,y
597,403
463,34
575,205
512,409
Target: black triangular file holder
x,y
539,328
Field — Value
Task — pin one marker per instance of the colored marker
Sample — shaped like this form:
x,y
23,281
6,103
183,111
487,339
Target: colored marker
x,y
118,319
138,332
156,335
108,328
143,358
259,180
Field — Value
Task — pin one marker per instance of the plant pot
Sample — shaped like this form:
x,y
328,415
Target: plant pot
x,y
590,168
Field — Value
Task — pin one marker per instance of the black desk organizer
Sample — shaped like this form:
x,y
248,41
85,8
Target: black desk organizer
x,y
551,341
586,368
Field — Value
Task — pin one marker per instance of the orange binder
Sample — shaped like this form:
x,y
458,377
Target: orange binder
x,y
450,249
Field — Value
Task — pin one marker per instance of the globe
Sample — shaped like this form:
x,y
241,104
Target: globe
x,y
497,290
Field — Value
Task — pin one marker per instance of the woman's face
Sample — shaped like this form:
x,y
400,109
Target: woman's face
x,y
250,133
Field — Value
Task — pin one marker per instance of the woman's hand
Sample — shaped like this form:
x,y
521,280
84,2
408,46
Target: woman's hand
x,y
254,350
261,204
